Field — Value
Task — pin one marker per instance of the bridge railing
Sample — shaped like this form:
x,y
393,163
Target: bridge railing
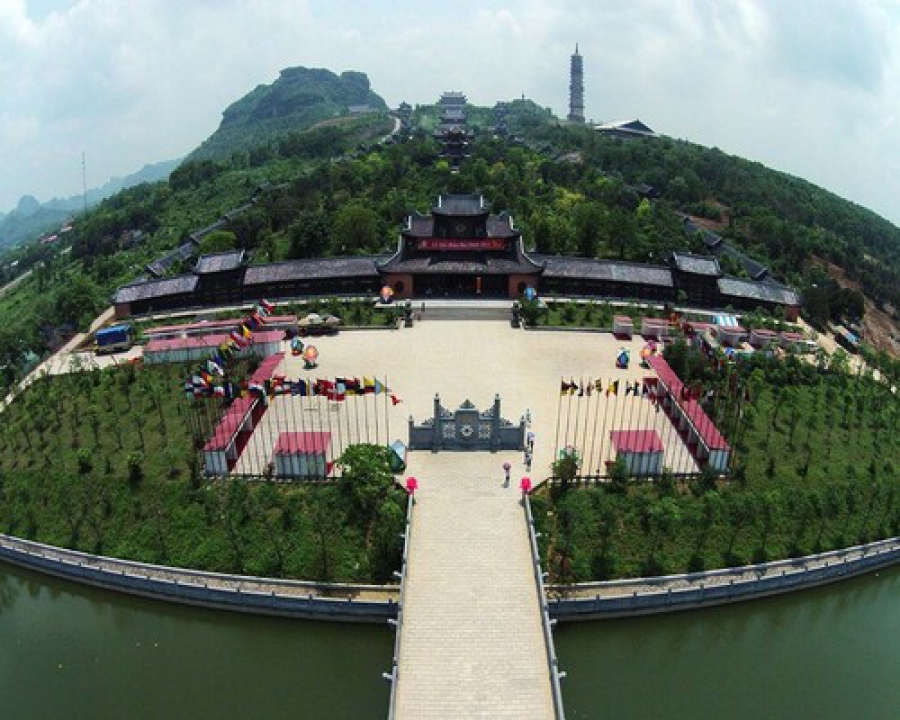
x,y
394,675
556,675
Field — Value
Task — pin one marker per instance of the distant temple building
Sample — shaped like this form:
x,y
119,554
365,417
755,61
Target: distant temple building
x,y
576,88
453,135
625,129
501,126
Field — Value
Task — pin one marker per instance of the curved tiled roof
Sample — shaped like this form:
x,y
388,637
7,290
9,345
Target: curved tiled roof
x,y
462,264
354,266
219,262
764,291
605,270
472,204
697,264
181,285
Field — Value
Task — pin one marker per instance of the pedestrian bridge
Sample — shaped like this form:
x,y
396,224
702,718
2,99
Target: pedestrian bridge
x,y
472,643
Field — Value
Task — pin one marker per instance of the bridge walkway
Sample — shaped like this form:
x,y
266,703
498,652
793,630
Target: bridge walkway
x,y
472,644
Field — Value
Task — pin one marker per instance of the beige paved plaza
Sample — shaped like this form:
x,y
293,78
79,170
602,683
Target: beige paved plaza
x,y
472,360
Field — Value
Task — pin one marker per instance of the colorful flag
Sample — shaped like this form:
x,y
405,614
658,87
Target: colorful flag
x,y
395,400
368,385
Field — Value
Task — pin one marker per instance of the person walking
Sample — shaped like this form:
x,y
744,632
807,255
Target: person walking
x,y
506,468
528,459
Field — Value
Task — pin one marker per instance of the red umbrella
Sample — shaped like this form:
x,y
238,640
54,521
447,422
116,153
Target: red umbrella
x,y
525,485
412,485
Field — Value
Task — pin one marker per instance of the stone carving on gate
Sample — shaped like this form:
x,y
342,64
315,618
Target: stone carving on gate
x,y
466,429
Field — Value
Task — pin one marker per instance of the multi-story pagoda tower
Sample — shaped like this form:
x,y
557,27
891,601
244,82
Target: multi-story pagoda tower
x,y
576,89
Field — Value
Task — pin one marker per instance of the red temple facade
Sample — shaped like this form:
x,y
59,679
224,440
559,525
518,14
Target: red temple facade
x,y
460,249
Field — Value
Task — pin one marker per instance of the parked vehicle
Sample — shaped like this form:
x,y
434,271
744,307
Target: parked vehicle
x,y
115,339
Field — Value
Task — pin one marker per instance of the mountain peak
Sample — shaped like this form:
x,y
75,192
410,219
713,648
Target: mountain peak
x,y
299,98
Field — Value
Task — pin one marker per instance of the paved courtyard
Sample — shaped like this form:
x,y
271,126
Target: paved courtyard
x,y
463,360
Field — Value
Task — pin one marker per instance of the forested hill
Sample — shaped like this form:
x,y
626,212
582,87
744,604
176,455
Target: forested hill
x,y
297,100
785,222
31,218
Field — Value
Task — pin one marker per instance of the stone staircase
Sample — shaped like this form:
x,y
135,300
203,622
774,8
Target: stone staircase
x,y
462,309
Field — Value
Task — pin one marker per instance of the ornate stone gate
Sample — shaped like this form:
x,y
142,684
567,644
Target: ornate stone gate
x,y
466,429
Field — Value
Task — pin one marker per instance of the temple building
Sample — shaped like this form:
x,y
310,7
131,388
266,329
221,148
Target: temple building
x,y
460,249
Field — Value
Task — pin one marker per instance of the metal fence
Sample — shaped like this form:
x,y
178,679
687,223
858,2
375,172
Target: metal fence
x,y
556,675
394,675
291,429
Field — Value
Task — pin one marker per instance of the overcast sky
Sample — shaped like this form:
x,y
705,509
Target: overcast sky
x,y
811,87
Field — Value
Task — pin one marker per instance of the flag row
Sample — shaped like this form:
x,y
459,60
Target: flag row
x,y
337,389
209,375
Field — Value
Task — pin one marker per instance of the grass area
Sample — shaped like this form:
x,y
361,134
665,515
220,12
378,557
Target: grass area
x,y
586,314
817,458
103,461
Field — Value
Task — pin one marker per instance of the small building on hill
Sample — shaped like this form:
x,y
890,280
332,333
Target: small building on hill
x,y
628,129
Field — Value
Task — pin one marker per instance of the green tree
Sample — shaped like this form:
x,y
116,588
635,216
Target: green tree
x,y
218,241
365,481
309,236
355,228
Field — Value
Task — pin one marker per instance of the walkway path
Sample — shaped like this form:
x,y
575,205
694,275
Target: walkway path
x,y
471,644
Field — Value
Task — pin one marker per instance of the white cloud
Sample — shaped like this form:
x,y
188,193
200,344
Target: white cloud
x,y
811,88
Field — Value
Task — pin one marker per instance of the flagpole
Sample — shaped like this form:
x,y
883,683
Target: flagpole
x,y
387,417
568,413
579,396
366,412
356,412
334,440
587,418
589,434
558,420
597,441
375,413
299,422
601,449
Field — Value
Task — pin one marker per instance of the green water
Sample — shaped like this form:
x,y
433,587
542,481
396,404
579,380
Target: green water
x,y
832,652
67,651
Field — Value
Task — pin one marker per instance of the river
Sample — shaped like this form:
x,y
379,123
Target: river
x,y
68,651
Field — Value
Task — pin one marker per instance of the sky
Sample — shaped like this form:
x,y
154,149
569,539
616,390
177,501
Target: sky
x,y
810,87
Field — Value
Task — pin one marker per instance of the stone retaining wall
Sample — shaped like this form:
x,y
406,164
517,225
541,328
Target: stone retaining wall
x,y
646,596
287,598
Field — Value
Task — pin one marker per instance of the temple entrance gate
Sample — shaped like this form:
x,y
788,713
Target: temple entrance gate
x,y
466,429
